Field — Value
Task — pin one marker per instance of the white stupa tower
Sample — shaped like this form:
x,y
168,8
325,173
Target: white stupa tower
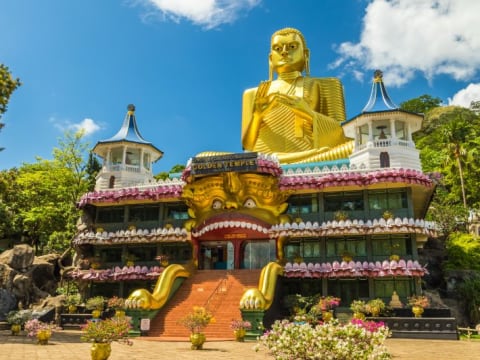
x,y
382,133
127,157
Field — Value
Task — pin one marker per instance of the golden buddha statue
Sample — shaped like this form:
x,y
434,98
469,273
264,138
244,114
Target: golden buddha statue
x,y
295,117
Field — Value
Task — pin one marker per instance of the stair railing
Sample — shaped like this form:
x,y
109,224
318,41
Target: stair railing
x,y
216,297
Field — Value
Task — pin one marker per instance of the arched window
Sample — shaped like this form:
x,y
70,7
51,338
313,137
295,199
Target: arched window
x,y
111,182
384,160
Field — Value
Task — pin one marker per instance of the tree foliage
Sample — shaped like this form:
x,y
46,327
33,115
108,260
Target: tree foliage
x,y
42,196
174,170
469,294
7,86
423,104
449,216
448,144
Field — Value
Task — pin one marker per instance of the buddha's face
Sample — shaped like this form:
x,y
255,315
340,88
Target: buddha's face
x,y
287,53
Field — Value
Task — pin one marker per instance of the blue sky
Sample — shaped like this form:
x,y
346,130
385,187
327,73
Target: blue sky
x,y
185,63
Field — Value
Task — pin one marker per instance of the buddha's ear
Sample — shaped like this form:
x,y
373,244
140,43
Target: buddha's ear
x,y
307,53
307,61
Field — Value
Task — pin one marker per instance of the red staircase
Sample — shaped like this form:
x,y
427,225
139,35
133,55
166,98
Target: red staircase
x,y
217,290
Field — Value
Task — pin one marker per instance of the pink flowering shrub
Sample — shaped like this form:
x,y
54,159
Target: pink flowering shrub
x,y
34,326
107,331
358,340
240,324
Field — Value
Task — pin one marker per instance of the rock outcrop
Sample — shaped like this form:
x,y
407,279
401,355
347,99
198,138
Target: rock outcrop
x,y
26,279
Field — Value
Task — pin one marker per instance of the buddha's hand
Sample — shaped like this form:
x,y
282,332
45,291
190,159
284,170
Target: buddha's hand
x,y
262,103
296,103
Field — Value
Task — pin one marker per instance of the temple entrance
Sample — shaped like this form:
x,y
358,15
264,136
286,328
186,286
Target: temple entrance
x,y
257,253
216,255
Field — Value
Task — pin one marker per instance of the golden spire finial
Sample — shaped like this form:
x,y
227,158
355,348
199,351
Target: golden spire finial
x,y
131,109
378,76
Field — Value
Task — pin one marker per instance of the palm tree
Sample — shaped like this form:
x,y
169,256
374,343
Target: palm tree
x,y
454,135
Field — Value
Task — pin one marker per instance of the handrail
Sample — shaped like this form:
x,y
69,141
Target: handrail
x,y
221,288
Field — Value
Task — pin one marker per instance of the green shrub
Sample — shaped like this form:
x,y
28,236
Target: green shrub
x,y
463,252
469,293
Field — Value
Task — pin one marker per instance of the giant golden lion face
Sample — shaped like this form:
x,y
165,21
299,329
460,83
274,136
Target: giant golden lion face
x,y
242,198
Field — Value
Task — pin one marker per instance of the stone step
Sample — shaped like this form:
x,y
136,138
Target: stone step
x,y
196,291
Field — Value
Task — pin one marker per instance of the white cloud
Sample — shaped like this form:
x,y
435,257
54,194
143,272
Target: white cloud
x,y
206,13
433,37
465,96
89,126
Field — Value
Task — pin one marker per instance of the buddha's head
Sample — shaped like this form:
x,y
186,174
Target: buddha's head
x,y
288,52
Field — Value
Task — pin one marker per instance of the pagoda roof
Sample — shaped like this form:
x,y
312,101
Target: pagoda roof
x,y
379,99
129,133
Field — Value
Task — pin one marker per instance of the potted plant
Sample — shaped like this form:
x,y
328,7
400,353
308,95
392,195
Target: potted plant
x,y
418,303
72,301
347,256
375,306
359,308
101,333
240,328
196,321
387,215
163,259
95,263
17,318
118,304
340,215
40,330
130,260
325,306
96,304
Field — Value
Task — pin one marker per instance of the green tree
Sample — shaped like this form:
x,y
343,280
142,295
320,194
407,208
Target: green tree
x,y
44,203
92,169
8,227
447,214
454,135
7,86
422,104
448,143
42,196
174,170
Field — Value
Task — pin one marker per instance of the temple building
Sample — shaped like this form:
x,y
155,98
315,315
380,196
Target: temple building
x,y
316,204
347,227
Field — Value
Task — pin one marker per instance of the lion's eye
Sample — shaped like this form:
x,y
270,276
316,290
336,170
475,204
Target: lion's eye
x,y
217,204
250,203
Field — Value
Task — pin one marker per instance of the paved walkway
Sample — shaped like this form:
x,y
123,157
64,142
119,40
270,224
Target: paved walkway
x,y
66,345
